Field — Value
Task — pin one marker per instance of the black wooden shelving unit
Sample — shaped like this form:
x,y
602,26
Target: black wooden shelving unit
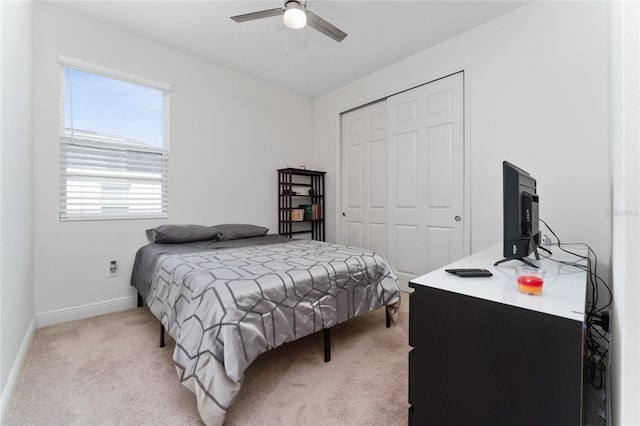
x,y
301,187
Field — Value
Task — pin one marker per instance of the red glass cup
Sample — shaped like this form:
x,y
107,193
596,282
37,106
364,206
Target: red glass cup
x,y
530,280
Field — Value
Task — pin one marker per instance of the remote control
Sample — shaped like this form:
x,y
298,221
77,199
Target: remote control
x,y
470,272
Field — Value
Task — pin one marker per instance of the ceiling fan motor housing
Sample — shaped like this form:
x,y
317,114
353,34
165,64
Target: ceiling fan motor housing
x,y
295,16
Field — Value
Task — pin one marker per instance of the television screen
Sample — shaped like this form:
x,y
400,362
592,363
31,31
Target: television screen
x,y
521,234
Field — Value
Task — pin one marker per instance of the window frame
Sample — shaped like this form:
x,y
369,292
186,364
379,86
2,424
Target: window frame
x,y
117,148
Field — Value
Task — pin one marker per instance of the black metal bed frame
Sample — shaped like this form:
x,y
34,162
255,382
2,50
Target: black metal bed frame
x,y
326,332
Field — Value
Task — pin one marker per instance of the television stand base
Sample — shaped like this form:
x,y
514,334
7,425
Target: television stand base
x,y
524,260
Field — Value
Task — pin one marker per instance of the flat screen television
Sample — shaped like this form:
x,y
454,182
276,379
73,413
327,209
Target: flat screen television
x,y
521,234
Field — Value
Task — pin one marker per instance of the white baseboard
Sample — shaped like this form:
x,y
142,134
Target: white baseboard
x,y
7,392
85,311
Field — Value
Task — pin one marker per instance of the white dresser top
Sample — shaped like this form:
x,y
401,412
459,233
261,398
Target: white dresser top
x,y
563,294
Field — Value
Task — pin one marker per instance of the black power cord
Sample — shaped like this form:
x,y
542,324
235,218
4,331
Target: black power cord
x,y
597,319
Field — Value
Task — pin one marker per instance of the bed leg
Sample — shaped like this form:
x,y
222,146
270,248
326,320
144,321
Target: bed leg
x,y
140,301
327,344
161,336
388,319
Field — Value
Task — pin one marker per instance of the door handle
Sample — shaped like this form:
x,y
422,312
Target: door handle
x,y
458,218
344,214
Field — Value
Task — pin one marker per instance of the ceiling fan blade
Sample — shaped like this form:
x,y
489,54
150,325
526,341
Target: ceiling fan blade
x,y
258,15
317,23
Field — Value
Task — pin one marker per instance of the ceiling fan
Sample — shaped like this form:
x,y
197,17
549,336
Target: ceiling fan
x,y
295,16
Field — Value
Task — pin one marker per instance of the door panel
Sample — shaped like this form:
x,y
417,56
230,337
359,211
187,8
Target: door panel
x,y
406,245
406,170
378,174
440,102
354,234
378,238
439,158
354,176
378,121
406,112
439,243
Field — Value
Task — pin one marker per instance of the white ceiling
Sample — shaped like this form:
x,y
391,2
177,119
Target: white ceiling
x,y
305,61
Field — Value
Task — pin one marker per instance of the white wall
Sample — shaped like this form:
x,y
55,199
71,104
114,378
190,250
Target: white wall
x,y
625,146
229,134
16,277
536,85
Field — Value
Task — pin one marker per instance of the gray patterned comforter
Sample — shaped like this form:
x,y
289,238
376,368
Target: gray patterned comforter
x,y
225,307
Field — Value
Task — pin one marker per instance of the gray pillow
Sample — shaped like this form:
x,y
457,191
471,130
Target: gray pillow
x,y
239,230
176,234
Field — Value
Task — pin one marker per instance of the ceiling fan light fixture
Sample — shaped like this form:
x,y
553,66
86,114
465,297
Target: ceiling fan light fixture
x,y
294,16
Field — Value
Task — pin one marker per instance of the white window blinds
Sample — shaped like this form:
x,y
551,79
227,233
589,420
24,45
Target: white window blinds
x,y
114,156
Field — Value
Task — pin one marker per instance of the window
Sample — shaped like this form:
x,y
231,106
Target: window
x,y
113,145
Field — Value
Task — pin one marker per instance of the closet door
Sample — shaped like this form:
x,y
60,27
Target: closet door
x,y
364,178
425,160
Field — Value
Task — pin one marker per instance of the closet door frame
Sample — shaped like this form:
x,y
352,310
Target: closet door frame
x,y
466,232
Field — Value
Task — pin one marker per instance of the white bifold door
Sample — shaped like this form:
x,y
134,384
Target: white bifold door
x,y
403,177
364,178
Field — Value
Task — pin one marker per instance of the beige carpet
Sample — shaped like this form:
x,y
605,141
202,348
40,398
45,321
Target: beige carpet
x,y
109,370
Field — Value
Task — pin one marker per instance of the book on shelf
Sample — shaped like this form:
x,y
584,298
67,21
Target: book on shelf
x,y
311,211
297,215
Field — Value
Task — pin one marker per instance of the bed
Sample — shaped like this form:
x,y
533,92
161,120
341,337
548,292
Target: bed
x,y
228,293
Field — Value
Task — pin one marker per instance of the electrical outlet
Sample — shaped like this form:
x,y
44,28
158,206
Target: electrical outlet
x,y
113,269
546,240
